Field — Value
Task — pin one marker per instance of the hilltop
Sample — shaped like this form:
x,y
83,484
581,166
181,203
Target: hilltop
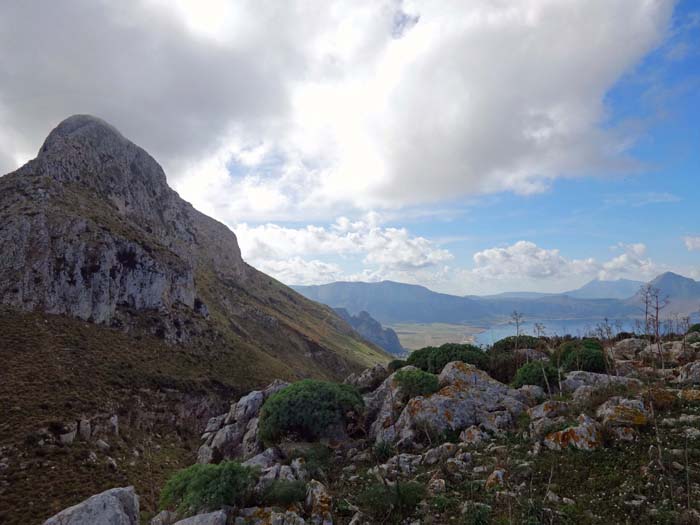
x,y
119,299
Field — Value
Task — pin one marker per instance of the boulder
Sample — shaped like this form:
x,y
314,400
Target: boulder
x,y
369,379
473,436
673,353
118,506
628,349
579,378
235,435
586,436
319,503
212,518
383,406
689,374
548,409
164,517
468,396
622,412
265,459
496,479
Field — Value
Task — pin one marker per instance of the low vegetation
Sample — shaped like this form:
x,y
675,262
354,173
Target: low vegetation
x,y
307,410
433,359
417,383
202,488
537,373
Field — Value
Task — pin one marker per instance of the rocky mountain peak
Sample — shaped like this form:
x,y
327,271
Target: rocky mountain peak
x,y
88,151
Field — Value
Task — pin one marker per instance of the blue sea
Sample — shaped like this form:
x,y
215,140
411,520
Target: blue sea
x,y
575,327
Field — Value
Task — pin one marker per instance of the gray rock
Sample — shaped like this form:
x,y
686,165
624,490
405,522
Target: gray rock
x,y
265,459
369,379
468,396
628,349
119,506
319,503
84,429
213,518
579,378
689,374
164,517
238,437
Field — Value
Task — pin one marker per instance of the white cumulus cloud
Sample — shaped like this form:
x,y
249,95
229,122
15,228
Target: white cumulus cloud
x,y
264,111
692,243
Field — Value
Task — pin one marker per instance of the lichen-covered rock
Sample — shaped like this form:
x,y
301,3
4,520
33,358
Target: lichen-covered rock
x,y
690,374
548,409
579,378
671,353
628,349
164,517
468,396
496,479
689,394
622,412
369,379
212,518
383,406
473,436
319,503
235,435
119,506
587,435
439,454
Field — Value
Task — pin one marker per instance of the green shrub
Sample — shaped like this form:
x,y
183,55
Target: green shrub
x,y
503,364
396,364
477,514
433,360
378,500
585,358
202,488
533,373
307,410
283,493
694,328
512,342
417,383
383,450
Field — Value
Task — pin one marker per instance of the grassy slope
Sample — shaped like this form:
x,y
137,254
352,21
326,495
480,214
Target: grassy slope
x,y
57,369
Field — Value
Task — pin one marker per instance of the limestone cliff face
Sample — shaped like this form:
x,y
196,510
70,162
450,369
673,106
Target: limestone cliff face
x,y
91,229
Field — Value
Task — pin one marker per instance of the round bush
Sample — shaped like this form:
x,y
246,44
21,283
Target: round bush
x,y
575,346
307,410
417,383
533,373
512,342
433,360
694,328
202,488
585,358
395,365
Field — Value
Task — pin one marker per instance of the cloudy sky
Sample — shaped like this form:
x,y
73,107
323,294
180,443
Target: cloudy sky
x,y
473,147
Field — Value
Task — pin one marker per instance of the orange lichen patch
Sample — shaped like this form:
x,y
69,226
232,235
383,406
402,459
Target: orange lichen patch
x,y
626,416
496,479
582,437
451,390
661,398
624,433
448,415
689,394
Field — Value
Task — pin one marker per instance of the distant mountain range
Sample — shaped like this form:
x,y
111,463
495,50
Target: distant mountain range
x,y
391,302
597,289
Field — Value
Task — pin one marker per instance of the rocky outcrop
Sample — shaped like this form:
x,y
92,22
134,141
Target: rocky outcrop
x,y
212,518
235,435
118,506
468,397
369,379
576,379
587,435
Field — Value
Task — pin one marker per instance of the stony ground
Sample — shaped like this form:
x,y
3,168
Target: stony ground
x,y
597,448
